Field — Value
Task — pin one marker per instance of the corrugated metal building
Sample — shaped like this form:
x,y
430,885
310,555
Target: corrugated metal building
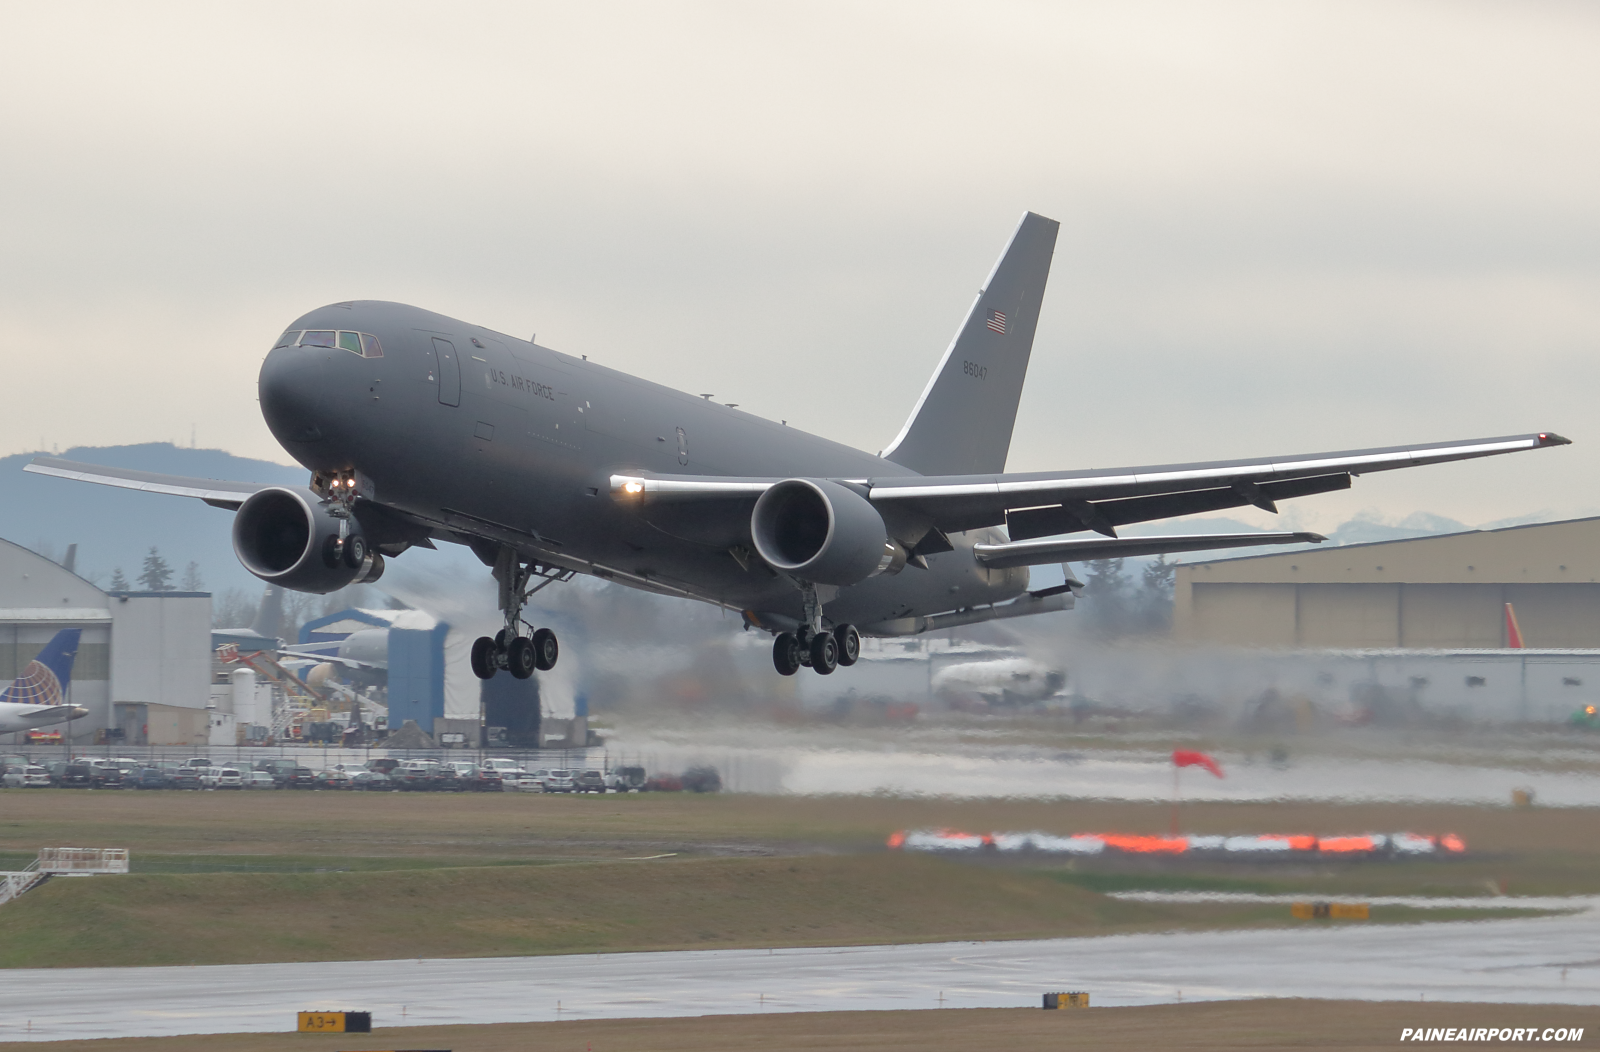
x,y
1425,593
141,647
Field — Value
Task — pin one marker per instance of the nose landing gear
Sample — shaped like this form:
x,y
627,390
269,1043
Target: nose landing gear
x,y
518,654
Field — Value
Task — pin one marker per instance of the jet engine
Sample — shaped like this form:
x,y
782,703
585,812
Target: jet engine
x,y
289,537
823,532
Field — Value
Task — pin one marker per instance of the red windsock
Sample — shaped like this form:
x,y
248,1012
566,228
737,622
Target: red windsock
x,y
1513,630
1189,758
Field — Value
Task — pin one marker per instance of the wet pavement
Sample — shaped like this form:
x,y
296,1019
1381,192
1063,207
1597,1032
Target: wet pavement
x,y
1543,960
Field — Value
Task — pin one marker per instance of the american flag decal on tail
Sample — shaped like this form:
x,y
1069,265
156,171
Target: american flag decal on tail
x,y
997,322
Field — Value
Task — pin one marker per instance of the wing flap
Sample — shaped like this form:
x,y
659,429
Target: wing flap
x,y
1039,553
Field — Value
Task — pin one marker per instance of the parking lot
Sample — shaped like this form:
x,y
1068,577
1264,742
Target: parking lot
x,y
576,771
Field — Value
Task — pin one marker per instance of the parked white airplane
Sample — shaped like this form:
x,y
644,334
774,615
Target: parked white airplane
x,y
37,698
1001,681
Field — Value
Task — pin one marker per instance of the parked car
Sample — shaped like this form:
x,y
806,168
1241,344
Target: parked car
x,y
150,778
417,776
558,780
11,760
702,780
103,775
333,778
522,781
482,779
301,778
198,761
372,781
505,767
31,776
281,770
220,778
259,780
590,781
386,764
181,776
627,779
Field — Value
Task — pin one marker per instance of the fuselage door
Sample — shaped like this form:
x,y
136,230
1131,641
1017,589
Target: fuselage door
x,y
449,372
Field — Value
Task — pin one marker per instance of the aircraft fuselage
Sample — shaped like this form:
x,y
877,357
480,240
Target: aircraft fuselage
x,y
461,425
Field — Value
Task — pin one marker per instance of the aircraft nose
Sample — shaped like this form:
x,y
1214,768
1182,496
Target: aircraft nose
x,y
293,390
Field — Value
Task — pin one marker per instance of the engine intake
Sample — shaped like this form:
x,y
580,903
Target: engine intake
x,y
823,532
288,537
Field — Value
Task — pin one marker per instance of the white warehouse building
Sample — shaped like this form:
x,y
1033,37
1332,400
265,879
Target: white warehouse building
x,y
137,648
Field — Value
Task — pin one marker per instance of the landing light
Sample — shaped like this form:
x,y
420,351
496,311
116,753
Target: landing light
x,y
633,487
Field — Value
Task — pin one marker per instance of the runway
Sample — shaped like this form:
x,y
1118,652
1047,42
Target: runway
x,y
1545,960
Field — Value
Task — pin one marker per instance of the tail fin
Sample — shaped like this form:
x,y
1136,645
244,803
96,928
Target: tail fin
x,y
962,423
269,615
44,681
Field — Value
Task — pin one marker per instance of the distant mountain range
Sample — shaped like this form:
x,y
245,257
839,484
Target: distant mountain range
x,y
115,528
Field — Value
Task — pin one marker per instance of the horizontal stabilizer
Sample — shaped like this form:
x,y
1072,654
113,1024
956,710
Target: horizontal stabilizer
x,y
1038,553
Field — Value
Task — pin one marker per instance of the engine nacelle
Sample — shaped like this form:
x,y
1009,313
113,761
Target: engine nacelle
x,y
823,532
287,537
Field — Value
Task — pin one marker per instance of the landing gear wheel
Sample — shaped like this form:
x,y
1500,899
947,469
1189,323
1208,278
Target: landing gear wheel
x,y
500,638
521,657
849,641
483,664
786,654
824,654
545,649
355,551
332,552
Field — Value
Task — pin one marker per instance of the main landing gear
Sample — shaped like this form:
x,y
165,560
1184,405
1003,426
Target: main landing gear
x,y
813,646
518,654
822,651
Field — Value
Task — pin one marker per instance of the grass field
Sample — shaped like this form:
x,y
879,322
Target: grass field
x,y
1273,1024
238,878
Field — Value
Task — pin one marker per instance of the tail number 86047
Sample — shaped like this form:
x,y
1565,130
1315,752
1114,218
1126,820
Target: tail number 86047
x,y
974,369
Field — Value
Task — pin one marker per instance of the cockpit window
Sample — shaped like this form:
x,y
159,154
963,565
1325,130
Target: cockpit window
x,y
359,343
287,339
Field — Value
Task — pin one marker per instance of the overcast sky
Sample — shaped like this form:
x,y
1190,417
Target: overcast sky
x,y
1285,227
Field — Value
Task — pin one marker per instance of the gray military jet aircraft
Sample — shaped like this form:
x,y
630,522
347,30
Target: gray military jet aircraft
x,y
419,428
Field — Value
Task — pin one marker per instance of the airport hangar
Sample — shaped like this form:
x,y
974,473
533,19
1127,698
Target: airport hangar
x,y
1424,617
143,656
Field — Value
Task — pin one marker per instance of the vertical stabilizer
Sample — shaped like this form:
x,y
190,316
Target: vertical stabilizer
x,y
44,681
269,615
962,423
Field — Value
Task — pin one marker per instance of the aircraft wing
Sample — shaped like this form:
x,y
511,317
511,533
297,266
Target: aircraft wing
x,y
215,493
1042,503
1039,553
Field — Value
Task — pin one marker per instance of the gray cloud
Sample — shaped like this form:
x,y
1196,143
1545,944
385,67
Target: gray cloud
x,y
1285,228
